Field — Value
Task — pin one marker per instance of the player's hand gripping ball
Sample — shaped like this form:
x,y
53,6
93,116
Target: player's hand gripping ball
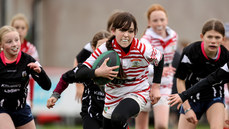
x,y
114,60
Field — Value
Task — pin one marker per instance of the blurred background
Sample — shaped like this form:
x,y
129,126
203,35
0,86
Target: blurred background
x,y
60,28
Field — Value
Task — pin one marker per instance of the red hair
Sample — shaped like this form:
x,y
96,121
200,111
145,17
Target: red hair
x,y
155,7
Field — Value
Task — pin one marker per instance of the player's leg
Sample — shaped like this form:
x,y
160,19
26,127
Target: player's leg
x,y
6,121
90,123
226,97
226,117
107,123
197,108
29,125
161,116
142,120
215,115
127,108
184,124
23,118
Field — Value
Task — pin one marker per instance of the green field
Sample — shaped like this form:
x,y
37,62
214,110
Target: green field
x,y
76,123
52,126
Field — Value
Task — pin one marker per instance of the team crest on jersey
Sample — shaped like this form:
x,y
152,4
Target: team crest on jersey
x,y
24,74
135,62
106,108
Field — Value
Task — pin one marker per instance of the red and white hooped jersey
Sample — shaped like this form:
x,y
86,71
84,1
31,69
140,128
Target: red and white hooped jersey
x,y
30,49
168,47
135,65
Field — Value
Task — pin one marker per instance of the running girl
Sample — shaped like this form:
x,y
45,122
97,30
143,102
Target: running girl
x,y
129,92
15,68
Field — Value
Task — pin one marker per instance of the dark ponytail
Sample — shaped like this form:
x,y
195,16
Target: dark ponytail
x,y
109,43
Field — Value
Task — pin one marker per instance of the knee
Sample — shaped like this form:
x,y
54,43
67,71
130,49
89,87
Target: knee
x,y
216,127
161,126
118,120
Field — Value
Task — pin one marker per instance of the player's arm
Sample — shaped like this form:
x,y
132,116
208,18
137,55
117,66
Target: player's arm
x,y
183,96
181,88
81,73
69,77
105,71
189,113
220,76
39,75
79,86
182,72
155,88
158,71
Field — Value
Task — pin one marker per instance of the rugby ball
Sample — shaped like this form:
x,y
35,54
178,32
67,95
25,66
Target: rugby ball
x,y
114,60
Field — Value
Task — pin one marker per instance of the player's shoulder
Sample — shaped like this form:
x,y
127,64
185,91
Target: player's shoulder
x,y
30,45
192,51
26,57
193,47
171,32
88,47
224,50
102,48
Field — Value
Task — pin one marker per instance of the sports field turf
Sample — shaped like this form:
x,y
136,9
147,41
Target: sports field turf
x,y
52,126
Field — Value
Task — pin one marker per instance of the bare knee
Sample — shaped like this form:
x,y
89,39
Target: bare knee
x,y
161,126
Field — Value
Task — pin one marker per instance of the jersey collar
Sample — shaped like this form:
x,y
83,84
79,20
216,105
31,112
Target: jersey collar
x,y
205,55
119,47
2,55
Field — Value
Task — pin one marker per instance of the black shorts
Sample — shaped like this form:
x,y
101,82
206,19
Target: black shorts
x,y
201,107
19,117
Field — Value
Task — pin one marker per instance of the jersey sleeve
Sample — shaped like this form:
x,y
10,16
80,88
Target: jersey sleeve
x,y
158,71
184,65
35,54
79,74
151,54
90,61
41,78
145,39
83,55
220,75
204,83
32,50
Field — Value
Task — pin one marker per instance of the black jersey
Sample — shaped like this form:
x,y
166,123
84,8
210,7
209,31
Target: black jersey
x,y
194,65
92,101
14,79
84,53
93,97
220,76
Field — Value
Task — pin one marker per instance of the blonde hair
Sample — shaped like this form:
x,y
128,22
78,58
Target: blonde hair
x,y
155,7
4,30
20,16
